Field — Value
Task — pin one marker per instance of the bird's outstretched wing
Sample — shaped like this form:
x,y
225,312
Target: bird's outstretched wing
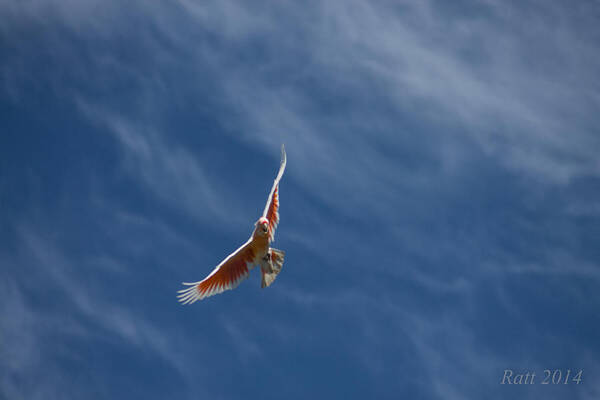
x,y
271,209
227,275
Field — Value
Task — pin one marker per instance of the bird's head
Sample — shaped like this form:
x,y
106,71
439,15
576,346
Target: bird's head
x,y
262,227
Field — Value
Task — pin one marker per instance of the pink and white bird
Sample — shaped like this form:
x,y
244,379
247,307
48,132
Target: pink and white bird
x,y
256,251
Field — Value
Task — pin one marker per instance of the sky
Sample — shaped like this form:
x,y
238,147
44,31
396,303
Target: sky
x,y
440,210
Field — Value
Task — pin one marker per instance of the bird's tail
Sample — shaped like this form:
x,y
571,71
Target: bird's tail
x,y
271,267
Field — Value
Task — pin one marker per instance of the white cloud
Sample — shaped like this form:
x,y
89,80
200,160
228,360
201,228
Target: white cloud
x,y
27,328
491,77
169,171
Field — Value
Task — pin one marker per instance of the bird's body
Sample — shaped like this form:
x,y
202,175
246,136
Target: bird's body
x,y
256,251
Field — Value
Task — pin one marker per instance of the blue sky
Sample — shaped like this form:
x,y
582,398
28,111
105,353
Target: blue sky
x,y
439,212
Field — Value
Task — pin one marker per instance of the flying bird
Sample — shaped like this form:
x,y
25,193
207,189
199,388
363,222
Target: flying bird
x,y
256,251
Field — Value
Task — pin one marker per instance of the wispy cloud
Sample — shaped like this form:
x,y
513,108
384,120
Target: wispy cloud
x,y
529,117
60,274
167,170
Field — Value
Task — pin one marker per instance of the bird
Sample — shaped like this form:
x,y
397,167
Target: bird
x,y
256,251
